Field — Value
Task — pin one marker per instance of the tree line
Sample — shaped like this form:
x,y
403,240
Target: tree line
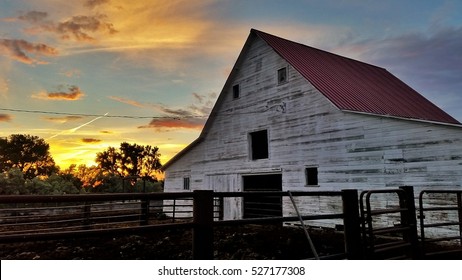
x,y
27,167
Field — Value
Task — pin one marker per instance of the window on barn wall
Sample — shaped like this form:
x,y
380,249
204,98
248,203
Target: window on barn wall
x,y
259,144
186,184
236,91
311,175
282,75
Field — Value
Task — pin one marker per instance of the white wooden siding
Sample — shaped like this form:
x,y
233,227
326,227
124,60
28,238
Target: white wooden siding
x,y
351,150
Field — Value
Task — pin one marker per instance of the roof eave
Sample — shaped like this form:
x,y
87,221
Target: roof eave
x,y
181,153
459,125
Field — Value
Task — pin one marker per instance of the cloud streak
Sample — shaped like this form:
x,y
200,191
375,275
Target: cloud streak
x,y
90,140
171,123
95,3
64,119
74,93
4,87
191,117
21,50
72,130
79,27
33,16
5,118
128,101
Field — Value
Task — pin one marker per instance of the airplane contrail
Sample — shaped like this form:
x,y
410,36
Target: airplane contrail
x,y
72,130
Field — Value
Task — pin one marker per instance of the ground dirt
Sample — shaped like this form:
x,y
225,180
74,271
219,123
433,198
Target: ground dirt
x,y
230,243
246,242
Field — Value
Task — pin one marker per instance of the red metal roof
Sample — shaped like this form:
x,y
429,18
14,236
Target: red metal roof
x,y
356,86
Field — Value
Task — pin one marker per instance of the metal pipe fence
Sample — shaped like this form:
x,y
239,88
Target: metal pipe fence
x,y
445,215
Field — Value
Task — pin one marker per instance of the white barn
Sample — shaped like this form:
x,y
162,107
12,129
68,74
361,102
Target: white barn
x,y
292,117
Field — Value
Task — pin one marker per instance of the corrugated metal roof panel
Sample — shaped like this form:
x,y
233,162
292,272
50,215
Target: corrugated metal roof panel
x,y
356,86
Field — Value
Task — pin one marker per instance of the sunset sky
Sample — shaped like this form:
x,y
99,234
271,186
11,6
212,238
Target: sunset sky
x,y
89,74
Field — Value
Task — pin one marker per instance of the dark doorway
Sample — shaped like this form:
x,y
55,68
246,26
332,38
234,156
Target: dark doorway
x,y
262,206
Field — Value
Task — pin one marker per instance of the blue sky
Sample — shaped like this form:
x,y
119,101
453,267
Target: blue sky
x,y
165,62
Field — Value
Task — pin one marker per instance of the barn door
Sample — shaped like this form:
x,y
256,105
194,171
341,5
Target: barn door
x,y
262,206
231,208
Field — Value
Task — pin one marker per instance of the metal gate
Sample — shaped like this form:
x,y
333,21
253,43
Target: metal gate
x,y
389,224
440,214
262,206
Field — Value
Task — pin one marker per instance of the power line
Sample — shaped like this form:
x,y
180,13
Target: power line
x,y
281,108
97,115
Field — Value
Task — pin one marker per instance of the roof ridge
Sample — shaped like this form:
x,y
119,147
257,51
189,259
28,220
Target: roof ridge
x,y
256,31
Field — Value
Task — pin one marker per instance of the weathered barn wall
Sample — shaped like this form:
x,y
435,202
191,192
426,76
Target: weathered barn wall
x,y
305,129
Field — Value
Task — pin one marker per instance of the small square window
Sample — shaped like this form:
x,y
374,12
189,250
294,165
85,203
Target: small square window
x,y
259,144
236,91
282,75
311,174
186,186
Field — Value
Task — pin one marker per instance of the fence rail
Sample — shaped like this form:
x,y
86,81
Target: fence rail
x,y
31,218
48,217
448,216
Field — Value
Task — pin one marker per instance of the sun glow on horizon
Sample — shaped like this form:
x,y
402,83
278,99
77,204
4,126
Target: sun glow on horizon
x,y
86,155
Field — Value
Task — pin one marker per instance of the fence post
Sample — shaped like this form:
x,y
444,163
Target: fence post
x,y
86,215
202,246
410,220
352,225
144,212
459,212
221,210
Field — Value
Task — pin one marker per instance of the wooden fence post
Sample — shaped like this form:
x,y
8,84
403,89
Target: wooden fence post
x,y
144,219
459,212
410,220
352,225
202,246
87,215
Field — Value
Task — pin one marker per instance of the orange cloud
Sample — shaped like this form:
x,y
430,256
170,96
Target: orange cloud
x,y
95,3
5,118
167,123
33,16
164,35
78,27
74,94
63,119
18,49
71,73
127,101
90,140
4,87
202,105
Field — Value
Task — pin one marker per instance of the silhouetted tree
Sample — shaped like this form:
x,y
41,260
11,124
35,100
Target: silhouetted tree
x,y
130,160
28,153
150,164
110,161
